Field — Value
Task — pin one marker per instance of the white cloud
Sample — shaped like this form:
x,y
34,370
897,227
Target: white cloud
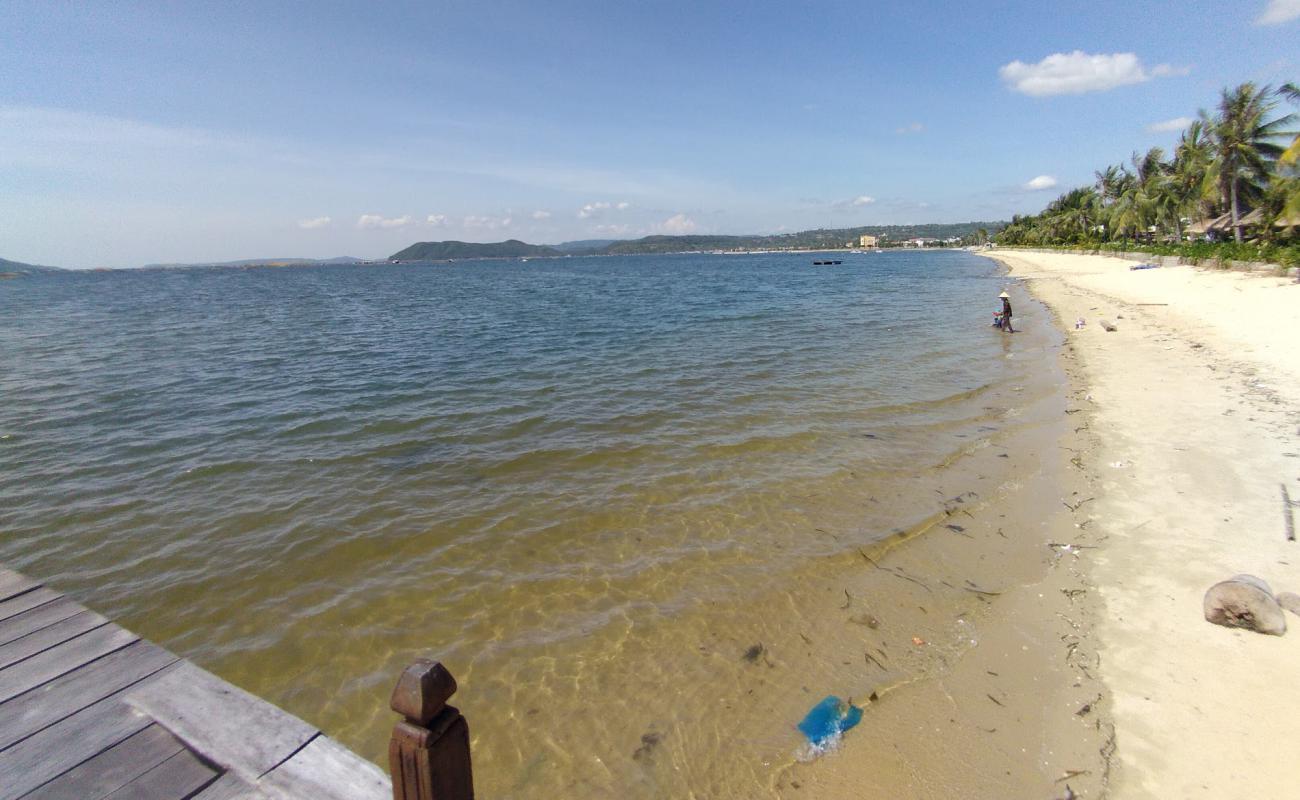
x,y
1279,11
1040,183
1080,72
613,230
490,223
1170,125
863,200
678,224
593,209
372,221
914,127
539,214
314,223
436,220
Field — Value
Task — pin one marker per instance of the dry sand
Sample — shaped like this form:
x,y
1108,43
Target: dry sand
x,y
1193,410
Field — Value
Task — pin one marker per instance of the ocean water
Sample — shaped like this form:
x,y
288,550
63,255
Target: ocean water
x,y
566,478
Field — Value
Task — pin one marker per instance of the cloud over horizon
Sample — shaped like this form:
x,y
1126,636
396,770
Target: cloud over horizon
x,y
375,221
1170,125
314,223
1080,73
593,209
679,225
1039,184
1278,12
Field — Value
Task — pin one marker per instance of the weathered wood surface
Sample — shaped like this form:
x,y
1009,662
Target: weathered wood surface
x,y
45,705
90,711
17,604
33,620
62,659
325,770
179,776
241,732
229,787
49,753
115,767
45,638
12,583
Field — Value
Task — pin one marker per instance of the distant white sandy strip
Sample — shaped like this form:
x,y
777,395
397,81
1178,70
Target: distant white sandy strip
x,y
1195,403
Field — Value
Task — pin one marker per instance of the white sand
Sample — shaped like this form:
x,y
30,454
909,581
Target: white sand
x,y
1195,410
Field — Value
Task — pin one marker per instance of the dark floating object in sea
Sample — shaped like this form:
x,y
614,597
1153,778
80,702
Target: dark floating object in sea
x,y
825,263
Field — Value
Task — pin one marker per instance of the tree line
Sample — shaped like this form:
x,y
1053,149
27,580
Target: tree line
x,y
1235,160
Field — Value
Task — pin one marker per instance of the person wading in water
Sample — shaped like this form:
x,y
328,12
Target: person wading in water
x,y
1006,313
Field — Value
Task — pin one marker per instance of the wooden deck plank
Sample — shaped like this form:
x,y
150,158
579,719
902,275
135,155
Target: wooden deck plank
x,y
174,779
223,723
326,770
62,697
12,583
46,755
48,637
62,659
32,620
26,601
114,768
230,787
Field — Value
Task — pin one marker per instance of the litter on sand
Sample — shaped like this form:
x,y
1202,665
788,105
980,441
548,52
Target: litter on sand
x,y
1145,266
828,720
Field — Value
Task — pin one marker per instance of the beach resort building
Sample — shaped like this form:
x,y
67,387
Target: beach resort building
x,y
867,240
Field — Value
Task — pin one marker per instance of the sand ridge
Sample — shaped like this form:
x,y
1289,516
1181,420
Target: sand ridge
x,y
1193,405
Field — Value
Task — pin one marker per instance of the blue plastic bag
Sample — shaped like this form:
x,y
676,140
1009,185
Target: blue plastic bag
x,y
828,719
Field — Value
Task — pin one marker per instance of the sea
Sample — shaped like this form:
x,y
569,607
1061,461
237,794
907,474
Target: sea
x,y
590,486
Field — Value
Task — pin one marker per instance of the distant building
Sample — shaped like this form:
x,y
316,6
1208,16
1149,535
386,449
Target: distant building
x,y
867,240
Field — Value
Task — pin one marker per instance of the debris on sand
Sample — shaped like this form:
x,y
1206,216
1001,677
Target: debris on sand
x,y
1244,601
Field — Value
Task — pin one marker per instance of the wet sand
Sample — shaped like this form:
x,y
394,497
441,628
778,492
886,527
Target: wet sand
x,y
1020,711
1190,412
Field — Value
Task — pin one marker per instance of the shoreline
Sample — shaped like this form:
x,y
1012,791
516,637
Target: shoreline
x,y
1192,408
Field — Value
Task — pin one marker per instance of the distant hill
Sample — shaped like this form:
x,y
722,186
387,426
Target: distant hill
x,y
439,251
7,266
813,239
584,245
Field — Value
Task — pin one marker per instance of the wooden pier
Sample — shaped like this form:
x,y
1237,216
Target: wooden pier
x,y
90,710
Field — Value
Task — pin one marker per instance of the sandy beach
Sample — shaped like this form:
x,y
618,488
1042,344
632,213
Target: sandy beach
x,y
1191,409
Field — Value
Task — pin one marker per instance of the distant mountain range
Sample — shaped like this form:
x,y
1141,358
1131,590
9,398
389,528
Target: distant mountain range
x,y
440,251
822,238
8,267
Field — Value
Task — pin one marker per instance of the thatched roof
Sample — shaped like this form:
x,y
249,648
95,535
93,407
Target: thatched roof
x,y
1222,222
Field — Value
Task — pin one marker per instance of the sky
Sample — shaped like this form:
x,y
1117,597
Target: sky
x,y
136,133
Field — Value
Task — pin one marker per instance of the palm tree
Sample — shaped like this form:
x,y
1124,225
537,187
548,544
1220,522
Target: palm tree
x,y
1185,180
1292,154
1242,138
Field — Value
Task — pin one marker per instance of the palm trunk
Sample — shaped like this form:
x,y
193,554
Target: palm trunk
x,y
1236,228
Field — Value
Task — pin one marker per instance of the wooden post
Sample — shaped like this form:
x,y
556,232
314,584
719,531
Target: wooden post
x,y
429,751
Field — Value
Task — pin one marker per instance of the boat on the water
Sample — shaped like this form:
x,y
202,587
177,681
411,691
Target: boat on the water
x,y
825,263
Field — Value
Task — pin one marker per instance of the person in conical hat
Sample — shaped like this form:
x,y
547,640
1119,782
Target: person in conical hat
x,y
1006,313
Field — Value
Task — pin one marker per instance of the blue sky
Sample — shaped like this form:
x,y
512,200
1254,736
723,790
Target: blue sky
x,y
133,133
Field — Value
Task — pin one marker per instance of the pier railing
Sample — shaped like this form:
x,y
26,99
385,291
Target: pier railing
x,y
428,753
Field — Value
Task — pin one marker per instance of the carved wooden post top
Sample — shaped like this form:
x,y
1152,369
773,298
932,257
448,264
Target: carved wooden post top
x,y
423,691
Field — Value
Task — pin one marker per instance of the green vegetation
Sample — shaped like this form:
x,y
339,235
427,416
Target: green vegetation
x,y
819,239
1233,175
439,251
